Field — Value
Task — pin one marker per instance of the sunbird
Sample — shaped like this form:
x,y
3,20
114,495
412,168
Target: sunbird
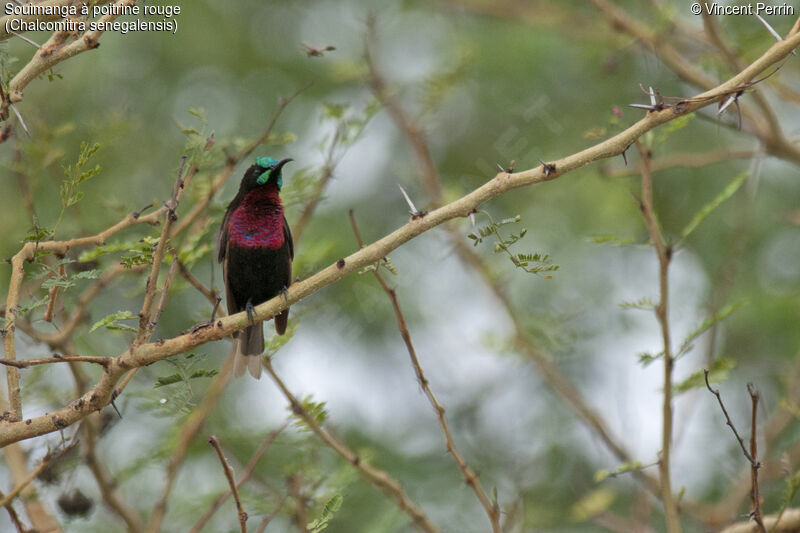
x,y
256,252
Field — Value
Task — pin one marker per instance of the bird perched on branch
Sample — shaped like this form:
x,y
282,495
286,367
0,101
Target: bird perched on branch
x,y
256,252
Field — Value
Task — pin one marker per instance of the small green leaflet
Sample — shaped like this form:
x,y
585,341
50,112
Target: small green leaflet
x,y
77,175
643,304
723,313
726,193
331,508
541,261
602,475
612,239
69,281
315,409
110,322
717,373
176,378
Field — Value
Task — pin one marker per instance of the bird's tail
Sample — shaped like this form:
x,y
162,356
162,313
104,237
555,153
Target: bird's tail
x,y
248,356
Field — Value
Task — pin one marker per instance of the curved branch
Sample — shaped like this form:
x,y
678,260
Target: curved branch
x,y
100,395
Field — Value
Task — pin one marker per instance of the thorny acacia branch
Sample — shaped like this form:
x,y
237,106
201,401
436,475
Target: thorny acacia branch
x,y
52,53
552,374
470,477
147,353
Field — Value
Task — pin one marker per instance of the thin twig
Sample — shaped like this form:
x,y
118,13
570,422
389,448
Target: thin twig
x,y
248,469
16,363
662,313
492,509
146,324
752,454
164,291
53,294
214,442
373,475
267,519
755,464
728,420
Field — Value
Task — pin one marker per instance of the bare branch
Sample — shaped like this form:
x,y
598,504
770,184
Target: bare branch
x,y
104,361
148,353
373,475
248,469
214,442
492,510
662,313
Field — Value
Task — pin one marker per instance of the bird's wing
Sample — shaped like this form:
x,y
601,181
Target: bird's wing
x,y
229,300
223,235
287,237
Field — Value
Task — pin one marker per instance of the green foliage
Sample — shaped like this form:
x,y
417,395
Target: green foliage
x,y
624,468
31,307
789,492
180,397
646,358
533,263
197,246
179,377
141,252
316,411
643,304
612,239
65,281
331,507
707,209
199,140
709,322
592,504
75,175
112,322
37,232
717,373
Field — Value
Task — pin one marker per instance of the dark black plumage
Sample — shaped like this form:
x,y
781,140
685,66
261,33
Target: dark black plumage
x,y
256,252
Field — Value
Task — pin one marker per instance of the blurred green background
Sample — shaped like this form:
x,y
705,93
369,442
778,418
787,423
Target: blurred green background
x,y
489,83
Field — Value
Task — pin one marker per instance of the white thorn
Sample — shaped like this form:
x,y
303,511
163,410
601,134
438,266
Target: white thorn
x,y
29,41
652,97
472,219
408,200
770,28
21,121
728,102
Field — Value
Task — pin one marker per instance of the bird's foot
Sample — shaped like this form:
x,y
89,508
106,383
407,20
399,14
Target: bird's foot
x,y
285,293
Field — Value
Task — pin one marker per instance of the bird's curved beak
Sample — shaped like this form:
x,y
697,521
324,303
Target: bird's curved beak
x,y
280,164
